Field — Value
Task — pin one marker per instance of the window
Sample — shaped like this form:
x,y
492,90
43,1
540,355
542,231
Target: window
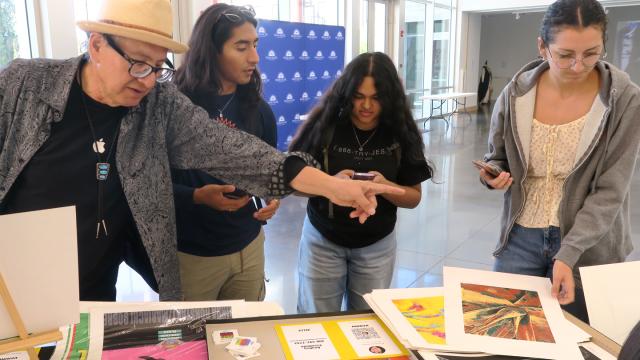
x,y
428,49
325,12
84,10
15,39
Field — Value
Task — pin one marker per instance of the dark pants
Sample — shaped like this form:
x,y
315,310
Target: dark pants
x,y
101,286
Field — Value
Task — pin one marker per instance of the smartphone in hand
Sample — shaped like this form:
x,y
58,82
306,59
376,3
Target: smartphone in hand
x,y
488,167
236,194
363,176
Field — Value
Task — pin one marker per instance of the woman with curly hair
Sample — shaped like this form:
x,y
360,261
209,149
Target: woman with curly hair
x,y
362,129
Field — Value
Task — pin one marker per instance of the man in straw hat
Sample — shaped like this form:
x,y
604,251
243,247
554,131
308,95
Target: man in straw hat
x,y
101,132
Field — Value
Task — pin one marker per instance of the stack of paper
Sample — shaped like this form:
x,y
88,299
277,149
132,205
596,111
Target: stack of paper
x,y
478,313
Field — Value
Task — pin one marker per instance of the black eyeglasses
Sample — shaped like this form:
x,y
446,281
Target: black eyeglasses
x,y
231,13
140,69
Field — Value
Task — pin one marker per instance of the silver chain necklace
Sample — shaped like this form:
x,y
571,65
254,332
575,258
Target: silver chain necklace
x,y
220,110
361,145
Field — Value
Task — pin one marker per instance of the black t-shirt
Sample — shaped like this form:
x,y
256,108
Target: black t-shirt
x,y
379,154
63,173
204,231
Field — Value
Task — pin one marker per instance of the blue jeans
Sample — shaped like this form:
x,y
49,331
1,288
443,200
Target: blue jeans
x,y
329,272
530,251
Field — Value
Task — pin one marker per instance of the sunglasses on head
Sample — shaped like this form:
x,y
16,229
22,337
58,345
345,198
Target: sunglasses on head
x,y
232,15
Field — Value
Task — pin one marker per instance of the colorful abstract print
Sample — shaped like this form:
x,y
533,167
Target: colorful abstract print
x,y
426,315
504,313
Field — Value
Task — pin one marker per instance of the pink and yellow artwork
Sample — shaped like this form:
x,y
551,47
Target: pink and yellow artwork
x,y
504,313
426,315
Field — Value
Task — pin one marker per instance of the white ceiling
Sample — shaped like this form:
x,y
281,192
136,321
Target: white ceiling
x,y
498,6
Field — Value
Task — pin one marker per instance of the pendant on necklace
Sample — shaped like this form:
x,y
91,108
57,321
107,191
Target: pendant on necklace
x,y
102,171
220,117
360,148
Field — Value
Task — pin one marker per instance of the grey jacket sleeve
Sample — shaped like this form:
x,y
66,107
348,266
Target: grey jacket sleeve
x,y
196,142
497,154
603,205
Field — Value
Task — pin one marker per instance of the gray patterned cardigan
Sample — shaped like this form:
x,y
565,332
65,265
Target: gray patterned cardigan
x,y
165,130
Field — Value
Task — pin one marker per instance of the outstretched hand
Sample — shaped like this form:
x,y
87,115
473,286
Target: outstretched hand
x,y
360,195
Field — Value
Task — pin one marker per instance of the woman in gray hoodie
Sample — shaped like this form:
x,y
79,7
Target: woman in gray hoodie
x,y
564,134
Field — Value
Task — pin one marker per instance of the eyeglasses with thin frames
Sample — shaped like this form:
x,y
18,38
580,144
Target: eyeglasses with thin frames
x,y
567,62
140,69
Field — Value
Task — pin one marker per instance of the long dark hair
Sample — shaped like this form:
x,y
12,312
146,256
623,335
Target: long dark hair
x,y
336,106
572,13
200,70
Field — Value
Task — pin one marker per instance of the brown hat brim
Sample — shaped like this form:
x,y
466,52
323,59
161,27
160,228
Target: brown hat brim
x,y
133,33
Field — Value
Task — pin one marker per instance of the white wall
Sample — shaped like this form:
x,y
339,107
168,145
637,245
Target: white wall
x,y
469,62
57,29
507,44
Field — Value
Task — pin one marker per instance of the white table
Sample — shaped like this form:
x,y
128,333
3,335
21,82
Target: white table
x,y
436,102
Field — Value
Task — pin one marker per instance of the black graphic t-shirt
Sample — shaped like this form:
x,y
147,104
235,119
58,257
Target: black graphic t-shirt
x,y
63,173
377,155
203,231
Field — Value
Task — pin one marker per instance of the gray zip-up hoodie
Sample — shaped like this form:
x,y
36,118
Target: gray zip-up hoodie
x,y
594,210
165,130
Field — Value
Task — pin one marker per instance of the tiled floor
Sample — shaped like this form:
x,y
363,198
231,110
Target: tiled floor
x,y
456,223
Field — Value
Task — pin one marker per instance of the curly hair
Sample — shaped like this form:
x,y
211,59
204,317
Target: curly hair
x,y
337,104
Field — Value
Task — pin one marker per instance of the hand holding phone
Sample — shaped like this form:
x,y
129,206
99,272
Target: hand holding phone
x,y
363,176
491,169
236,194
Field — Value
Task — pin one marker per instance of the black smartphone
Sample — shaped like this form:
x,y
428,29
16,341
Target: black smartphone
x,y
363,176
236,194
488,167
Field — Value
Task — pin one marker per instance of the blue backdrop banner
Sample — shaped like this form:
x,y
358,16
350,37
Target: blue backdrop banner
x,y
298,62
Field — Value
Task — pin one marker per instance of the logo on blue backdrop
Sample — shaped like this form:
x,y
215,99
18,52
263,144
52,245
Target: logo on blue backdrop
x,y
282,121
318,94
325,75
304,55
289,99
296,34
262,32
264,78
296,118
280,78
288,55
338,73
339,36
312,35
332,55
319,55
312,75
273,100
289,140
304,97
279,33
296,77
326,36
271,55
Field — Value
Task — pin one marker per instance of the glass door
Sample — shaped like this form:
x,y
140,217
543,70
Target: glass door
x,y
428,49
374,26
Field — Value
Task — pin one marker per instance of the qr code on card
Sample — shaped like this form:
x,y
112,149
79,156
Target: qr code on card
x,y
365,333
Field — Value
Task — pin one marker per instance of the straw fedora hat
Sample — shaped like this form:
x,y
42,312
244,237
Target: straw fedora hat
x,y
150,21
